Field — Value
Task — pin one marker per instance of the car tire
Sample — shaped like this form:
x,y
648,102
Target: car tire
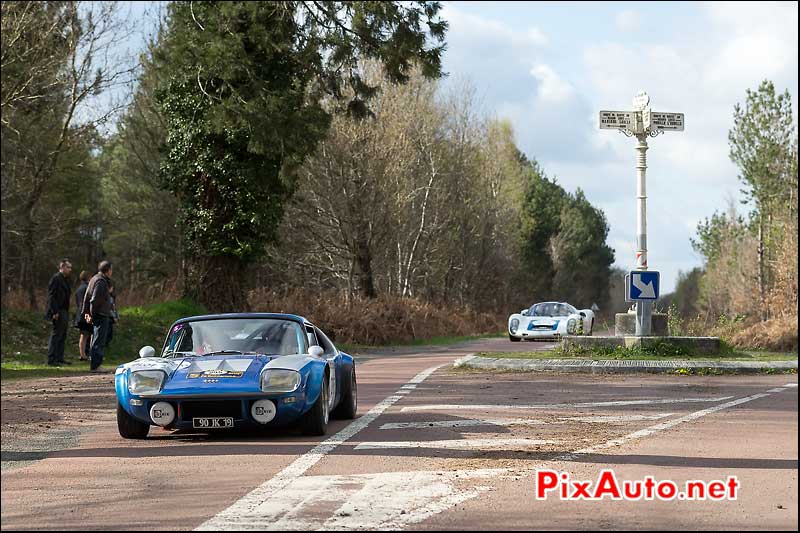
x,y
129,427
315,421
591,328
513,338
348,404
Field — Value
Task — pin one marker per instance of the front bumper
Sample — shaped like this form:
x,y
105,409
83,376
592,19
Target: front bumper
x,y
289,408
536,335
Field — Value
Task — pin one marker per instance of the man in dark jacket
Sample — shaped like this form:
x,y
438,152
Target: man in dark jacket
x,y
97,311
58,291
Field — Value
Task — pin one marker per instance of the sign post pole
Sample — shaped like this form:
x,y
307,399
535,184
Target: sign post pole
x,y
641,123
644,309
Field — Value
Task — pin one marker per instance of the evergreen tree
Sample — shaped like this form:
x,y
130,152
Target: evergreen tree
x,y
243,109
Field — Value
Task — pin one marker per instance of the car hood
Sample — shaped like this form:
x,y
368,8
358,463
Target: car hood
x,y
217,374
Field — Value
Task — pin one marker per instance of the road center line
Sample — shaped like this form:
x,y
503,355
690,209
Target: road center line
x,y
522,421
245,510
791,385
659,427
456,444
459,407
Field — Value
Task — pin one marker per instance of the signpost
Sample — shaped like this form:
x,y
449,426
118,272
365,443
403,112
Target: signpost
x,y
641,286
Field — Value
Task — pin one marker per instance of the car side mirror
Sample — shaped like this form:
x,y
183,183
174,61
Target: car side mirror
x,y
582,314
315,351
147,351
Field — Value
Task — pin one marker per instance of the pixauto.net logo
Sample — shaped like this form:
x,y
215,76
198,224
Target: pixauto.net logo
x,y
560,484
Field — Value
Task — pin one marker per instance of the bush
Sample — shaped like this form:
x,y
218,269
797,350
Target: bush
x,y
377,321
777,334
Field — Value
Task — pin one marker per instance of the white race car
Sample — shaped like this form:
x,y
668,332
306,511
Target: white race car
x,y
549,320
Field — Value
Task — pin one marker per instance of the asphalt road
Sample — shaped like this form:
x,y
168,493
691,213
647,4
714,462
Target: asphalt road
x,y
432,448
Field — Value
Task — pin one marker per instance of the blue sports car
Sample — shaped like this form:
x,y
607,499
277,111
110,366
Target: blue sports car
x,y
237,370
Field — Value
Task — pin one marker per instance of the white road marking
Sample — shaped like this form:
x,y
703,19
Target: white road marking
x,y
367,501
777,389
455,444
615,419
246,511
791,385
660,427
522,421
460,407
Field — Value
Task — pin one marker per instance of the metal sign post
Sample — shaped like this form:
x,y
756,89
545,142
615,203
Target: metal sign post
x,y
641,123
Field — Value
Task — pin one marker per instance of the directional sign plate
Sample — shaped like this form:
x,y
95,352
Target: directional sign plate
x,y
642,285
616,120
666,121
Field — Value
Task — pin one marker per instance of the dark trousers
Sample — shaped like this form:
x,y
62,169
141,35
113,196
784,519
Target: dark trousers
x,y
102,326
55,348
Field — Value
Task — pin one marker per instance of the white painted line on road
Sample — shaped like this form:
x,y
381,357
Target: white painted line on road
x,y
248,512
457,444
660,427
522,421
615,419
460,407
379,501
791,385
408,387
777,389
466,423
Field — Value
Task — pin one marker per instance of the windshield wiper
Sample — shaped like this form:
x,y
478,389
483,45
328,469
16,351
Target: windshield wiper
x,y
173,354
222,352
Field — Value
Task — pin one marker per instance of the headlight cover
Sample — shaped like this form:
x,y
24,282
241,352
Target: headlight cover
x,y
146,381
514,325
280,381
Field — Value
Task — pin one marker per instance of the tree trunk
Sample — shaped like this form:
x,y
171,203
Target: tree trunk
x,y
218,283
761,281
366,285
28,260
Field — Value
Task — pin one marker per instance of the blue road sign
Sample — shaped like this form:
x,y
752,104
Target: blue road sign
x,y
642,285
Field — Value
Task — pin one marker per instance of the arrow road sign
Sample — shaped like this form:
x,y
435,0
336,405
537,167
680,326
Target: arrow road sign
x,y
642,285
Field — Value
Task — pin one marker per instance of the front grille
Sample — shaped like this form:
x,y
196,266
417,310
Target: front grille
x,y
213,408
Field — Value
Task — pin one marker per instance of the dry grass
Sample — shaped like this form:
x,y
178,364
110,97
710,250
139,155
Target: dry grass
x,y
777,334
382,320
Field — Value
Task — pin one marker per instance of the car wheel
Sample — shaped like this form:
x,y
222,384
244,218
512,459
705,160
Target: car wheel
x,y
591,328
513,338
315,421
349,403
129,427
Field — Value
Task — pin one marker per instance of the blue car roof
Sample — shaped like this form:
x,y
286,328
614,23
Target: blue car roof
x,y
285,316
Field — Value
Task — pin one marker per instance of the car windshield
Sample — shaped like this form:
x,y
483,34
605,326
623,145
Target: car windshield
x,y
551,309
246,335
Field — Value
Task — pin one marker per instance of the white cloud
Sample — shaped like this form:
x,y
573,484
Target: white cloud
x,y
552,88
628,20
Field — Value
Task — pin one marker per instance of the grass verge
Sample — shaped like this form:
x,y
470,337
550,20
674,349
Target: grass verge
x,y
23,346
605,354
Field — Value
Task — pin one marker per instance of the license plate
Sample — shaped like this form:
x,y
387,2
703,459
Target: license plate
x,y
212,423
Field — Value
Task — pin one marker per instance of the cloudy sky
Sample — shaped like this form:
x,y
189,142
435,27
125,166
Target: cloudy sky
x,y
550,67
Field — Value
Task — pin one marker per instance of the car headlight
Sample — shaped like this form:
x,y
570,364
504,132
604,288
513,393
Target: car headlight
x,y
514,325
146,381
280,380
571,325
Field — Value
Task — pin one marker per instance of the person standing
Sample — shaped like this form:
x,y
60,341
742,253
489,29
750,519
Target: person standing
x,y
58,292
80,322
97,311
